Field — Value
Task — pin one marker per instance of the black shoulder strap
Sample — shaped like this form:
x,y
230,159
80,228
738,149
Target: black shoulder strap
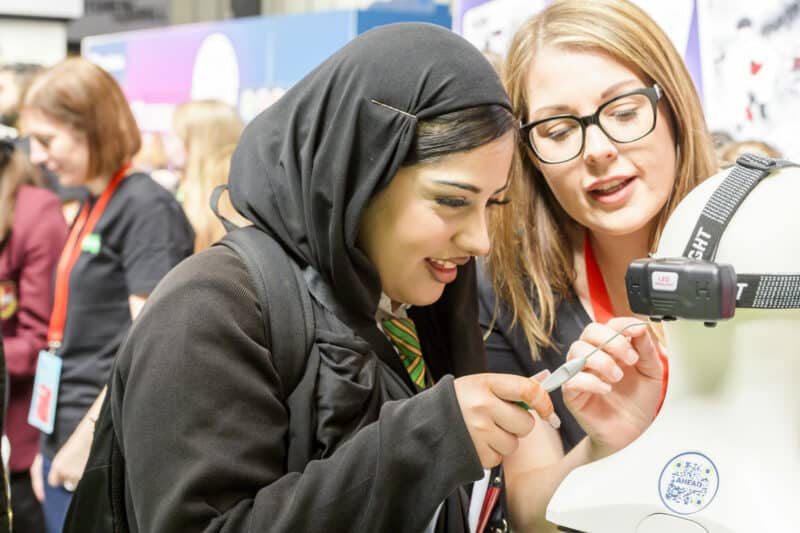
x,y
214,204
755,291
99,502
285,302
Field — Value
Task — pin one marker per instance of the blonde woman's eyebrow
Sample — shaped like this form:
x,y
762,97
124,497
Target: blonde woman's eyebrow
x,y
607,93
619,85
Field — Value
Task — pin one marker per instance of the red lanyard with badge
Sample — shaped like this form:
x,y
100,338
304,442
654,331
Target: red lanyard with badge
x,y
48,367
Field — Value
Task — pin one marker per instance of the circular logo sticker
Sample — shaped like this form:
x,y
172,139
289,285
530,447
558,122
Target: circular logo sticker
x,y
688,483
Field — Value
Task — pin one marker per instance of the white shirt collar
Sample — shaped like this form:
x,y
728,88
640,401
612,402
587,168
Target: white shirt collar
x,y
385,309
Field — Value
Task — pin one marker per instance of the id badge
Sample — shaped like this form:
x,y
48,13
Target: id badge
x,y
42,414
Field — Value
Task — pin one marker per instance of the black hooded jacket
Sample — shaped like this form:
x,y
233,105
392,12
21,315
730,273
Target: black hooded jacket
x,y
197,403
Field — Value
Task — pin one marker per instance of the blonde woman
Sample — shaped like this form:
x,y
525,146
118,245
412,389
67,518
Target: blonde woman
x,y
614,138
208,130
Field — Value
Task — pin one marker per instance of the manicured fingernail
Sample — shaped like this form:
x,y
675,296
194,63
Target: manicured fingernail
x,y
554,421
541,376
616,374
632,357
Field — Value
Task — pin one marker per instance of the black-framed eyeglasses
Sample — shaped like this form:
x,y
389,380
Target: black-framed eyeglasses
x,y
624,119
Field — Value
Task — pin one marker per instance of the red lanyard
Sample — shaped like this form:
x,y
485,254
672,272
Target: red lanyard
x,y
83,226
601,303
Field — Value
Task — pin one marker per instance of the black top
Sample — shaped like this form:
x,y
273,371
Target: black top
x,y
508,350
143,234
199,413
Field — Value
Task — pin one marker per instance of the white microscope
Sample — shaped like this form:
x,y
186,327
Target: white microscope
x,y
723,455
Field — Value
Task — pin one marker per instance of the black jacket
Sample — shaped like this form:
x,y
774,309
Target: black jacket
x,y
199,414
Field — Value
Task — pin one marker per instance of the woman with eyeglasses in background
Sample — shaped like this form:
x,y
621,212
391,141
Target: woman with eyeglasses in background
x,y
614,137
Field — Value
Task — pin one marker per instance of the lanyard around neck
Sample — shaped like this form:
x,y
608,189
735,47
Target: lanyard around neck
x,y
83,226
598,294
601,306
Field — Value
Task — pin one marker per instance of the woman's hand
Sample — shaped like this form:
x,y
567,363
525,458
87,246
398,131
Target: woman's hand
x,y
615,397
67,467
493,420
37,483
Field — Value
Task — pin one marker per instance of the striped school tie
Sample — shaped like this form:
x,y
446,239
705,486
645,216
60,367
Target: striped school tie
x,y
403,334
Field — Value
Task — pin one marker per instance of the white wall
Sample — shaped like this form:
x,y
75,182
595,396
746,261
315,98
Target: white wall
x,y
32,41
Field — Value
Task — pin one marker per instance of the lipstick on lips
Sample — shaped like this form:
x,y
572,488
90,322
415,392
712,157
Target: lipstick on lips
x,y
445,270
612,190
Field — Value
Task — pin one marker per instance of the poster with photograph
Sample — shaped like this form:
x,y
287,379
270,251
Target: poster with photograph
x,y
490,25
751,67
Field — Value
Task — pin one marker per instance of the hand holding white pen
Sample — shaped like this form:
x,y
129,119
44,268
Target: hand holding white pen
x,y
571,368
615,396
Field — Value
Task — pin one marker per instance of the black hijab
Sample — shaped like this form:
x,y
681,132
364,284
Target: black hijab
x,y
307,166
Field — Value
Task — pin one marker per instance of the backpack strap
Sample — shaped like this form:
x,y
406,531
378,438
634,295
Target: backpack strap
x,y
98,504
214,204
280,286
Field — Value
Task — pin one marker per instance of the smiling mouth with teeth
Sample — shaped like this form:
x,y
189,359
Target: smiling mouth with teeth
x,y
442,263
611,187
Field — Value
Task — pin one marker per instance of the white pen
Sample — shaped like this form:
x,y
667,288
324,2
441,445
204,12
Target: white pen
x,y
569,369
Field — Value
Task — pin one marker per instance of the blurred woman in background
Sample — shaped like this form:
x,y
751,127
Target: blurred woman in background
x,y
32,234
127,235
208,131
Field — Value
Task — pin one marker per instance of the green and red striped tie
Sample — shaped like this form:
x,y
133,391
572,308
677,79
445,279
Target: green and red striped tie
x,y
403,334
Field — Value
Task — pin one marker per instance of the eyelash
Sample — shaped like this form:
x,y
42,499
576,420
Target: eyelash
x,y
460,202
505,201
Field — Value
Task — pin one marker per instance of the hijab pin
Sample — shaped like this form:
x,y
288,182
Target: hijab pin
x,y
387,106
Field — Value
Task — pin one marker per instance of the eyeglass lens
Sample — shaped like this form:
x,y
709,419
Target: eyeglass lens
x,y
623,120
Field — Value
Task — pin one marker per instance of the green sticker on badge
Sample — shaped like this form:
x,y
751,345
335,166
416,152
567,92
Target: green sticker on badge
x,y
91,244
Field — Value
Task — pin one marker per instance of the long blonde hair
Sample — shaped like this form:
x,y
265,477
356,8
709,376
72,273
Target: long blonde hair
x,y
208,129
535,236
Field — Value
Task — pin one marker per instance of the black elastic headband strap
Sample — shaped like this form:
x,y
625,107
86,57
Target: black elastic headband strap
x,y
768,291
748,172
773,291
214,204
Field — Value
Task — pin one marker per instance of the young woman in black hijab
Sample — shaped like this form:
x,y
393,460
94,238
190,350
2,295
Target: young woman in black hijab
x,y
376,173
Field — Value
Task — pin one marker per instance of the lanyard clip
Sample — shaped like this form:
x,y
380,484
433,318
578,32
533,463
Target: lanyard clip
x,y
53,346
